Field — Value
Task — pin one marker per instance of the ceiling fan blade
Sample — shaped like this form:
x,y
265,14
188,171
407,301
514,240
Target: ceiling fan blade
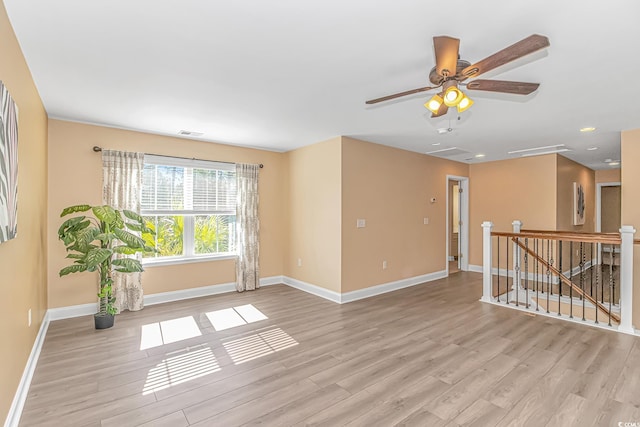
x,y
401,94
441,111
522,48
517,88
446,49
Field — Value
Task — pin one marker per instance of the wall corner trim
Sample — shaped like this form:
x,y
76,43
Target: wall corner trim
x,y
15,410
312,289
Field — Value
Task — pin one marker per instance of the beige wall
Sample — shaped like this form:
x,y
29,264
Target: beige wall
x,y
23,260
630,187
390,189
75,177
314,206
506,190
569,172
607,175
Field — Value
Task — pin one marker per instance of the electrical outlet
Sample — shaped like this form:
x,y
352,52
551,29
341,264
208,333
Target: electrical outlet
x,y
299,262
384,265
29,315
426,221
361,223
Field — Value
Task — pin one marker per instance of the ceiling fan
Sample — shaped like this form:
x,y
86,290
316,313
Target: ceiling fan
x,y
450,71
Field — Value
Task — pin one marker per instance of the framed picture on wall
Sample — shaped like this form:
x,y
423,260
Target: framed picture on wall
x,y
8,166
578,204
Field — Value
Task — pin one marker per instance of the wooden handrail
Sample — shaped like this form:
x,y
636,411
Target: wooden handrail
x,y
562,277
606,238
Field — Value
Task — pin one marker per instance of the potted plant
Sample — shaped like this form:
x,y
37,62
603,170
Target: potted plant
x,y
96,242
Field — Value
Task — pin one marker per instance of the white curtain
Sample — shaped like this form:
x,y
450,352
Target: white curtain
x,y
247,228
121,188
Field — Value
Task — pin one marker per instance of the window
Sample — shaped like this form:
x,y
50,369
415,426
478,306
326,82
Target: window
x,y
190,205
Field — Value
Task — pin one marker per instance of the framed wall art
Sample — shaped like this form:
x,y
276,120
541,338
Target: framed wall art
x,y
8,166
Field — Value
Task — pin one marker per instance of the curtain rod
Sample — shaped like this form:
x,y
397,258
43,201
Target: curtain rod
x,y
99,149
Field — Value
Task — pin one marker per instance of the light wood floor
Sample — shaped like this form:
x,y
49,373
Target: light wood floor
x,y
429,355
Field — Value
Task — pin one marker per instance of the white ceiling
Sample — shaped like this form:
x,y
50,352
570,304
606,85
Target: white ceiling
x,y
282,74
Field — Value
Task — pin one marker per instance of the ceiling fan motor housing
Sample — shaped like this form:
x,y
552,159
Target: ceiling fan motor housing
x,y
438,80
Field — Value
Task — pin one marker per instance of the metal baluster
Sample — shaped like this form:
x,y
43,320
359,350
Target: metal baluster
x,y
601,276
507,270
591,270
571,279
526,270
550,253
498,269
535,248
613,265
559,280
516,273
595,271
548,272
582,277
611,282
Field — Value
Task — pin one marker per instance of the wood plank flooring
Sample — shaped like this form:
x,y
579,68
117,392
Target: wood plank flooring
x,y
429,355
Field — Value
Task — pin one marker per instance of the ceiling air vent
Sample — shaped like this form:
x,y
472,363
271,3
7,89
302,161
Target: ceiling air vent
x,y
190,133
448,152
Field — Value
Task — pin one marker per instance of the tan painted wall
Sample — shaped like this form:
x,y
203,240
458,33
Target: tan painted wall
x,y
314,206
506,190
390,189
75,176
568,173
630,187
608,175
23,260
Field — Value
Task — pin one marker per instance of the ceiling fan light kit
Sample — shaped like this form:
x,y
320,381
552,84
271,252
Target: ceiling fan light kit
x,y
450,70
464,104
434,103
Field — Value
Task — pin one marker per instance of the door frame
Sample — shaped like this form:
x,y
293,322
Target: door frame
x,y
599,186
463,231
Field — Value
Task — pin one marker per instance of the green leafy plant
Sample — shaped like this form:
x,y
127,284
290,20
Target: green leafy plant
x,y
96,243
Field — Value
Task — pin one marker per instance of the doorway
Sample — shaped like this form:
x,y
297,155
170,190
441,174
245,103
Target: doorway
x,y
457,224
608,214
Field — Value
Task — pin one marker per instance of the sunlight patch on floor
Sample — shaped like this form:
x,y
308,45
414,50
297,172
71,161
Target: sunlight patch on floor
x,y
258,345
185,365
168,331
237,316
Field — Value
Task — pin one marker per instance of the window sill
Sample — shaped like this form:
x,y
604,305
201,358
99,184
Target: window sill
x,y
176,261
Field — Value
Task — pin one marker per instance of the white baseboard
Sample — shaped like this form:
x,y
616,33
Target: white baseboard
x,y
475,268
391,286
312,289
158,298
72,311
203,291
15,410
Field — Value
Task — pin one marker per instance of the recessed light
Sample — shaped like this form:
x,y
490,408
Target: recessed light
x,y
436,143
592,148
587,129
479,155
614,163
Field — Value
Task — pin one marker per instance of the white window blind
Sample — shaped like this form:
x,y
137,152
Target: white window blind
x,y
187,187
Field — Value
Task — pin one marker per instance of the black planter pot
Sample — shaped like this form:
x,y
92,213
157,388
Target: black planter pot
x,y
103,321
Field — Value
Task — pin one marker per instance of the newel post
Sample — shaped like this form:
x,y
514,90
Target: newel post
x,y
626,279
487,280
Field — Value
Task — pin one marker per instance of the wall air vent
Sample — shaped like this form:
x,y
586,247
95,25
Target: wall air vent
x,y
190,133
